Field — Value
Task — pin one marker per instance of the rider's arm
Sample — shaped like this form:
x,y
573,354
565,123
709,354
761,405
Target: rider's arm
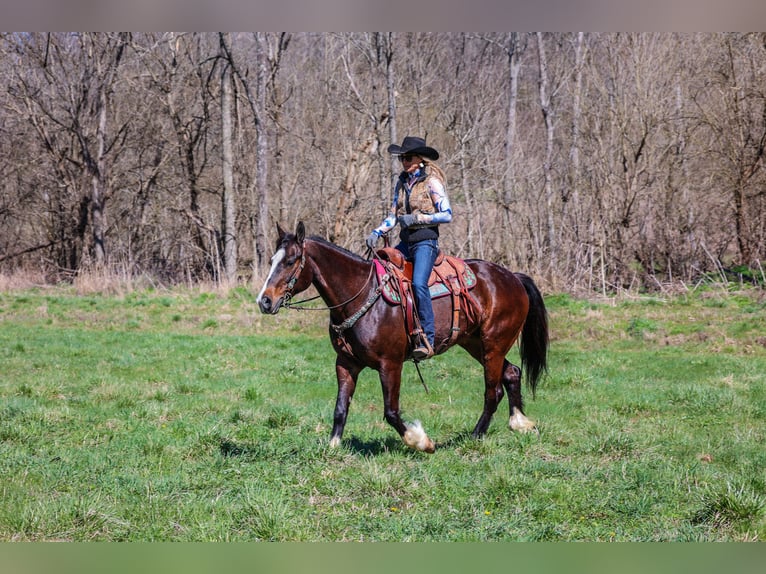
x,y
390,221
441,203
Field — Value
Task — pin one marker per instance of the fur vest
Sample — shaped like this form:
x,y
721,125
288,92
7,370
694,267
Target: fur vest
x,y
420,198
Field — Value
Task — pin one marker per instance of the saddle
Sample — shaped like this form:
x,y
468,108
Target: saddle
x,y
450,276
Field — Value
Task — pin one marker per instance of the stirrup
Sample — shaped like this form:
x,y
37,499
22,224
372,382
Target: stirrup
x,y
423,351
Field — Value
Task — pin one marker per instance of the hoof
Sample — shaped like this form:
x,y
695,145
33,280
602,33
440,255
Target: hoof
x,y
415,437
518,422
335,442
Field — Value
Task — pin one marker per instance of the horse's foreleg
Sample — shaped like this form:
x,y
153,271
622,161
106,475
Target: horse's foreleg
x,y
416,437
347,374
413,434
512,383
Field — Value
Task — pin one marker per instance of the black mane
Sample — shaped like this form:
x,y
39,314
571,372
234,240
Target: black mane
x,y
323,241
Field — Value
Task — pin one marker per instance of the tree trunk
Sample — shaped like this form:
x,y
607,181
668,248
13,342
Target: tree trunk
x,y
98,189
97,166
392,127
514,66
572,195
545,107
260,238
229,207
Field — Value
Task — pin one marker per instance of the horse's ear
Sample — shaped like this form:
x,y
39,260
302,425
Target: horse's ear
x,y
300,232
280,232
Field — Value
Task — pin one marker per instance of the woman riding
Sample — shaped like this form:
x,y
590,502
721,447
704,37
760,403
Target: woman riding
x,y
419,210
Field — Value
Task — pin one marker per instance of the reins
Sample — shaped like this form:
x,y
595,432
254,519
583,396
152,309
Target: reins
x,y
290,304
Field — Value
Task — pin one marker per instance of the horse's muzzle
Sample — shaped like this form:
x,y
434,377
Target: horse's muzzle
x,y
269,307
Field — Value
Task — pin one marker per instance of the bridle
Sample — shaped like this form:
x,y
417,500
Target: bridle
x,y
294,279
349,322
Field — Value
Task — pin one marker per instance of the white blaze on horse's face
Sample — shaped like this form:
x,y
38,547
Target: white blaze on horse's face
x,y
275,261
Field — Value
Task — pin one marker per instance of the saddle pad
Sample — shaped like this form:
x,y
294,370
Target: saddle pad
x,y
436,287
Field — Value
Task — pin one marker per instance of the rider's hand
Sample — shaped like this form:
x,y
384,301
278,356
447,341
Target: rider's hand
x,y
371,240
408,219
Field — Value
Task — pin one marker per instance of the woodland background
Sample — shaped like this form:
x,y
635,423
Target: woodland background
x,y
595,162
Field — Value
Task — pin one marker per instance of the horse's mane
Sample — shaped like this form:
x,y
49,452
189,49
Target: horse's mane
x,y
331,245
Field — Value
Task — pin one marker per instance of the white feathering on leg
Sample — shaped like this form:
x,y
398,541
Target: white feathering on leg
x,y
518,422
416,437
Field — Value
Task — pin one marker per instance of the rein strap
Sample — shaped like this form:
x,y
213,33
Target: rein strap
x,y
350,321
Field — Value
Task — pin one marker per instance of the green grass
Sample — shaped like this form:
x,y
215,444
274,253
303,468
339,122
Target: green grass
x,y
190,416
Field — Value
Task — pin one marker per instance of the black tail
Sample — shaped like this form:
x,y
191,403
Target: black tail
x,y
533,346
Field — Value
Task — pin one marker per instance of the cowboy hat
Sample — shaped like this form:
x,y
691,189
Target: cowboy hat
x,y
415,146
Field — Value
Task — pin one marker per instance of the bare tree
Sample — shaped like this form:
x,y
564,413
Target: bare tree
x,y
515,48
599,161
367,67
265,102
548,120
571,192
229,207
67,94
733,109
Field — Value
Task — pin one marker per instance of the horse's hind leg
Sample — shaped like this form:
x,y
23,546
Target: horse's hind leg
x,y
512,383
492,361
493,394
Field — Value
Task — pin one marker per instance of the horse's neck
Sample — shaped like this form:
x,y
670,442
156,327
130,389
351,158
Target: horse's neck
x,y
338,275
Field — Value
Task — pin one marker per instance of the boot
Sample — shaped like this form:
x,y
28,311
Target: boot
x,y
423,350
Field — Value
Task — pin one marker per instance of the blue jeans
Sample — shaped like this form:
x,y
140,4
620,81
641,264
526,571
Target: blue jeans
x,y
423,255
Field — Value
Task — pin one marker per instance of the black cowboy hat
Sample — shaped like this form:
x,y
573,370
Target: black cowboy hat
x,y
415,146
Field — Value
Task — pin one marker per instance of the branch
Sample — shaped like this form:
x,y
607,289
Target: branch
x,y
28,250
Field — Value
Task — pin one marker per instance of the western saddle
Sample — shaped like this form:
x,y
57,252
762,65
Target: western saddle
x,y
450,276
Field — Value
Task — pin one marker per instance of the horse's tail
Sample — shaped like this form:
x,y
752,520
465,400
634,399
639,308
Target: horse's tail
x,y
533,345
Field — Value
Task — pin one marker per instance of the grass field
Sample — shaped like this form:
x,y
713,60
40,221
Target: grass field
x,y
185,415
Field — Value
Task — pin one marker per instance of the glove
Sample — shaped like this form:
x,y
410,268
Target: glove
x,y
408,219
371,240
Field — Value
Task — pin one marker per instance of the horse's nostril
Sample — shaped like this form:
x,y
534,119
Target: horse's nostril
x,y
264,304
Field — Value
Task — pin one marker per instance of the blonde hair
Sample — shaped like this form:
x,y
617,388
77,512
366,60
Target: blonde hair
x,y
434,170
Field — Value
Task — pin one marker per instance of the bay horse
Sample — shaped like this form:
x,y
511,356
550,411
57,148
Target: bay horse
x,y
367,331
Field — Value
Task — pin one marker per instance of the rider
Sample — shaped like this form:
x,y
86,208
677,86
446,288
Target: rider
x,y
419,211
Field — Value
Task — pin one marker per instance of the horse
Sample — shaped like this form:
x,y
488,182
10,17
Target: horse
x,y
368,332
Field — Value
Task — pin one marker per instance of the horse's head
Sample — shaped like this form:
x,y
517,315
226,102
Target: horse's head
x,y
286,274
